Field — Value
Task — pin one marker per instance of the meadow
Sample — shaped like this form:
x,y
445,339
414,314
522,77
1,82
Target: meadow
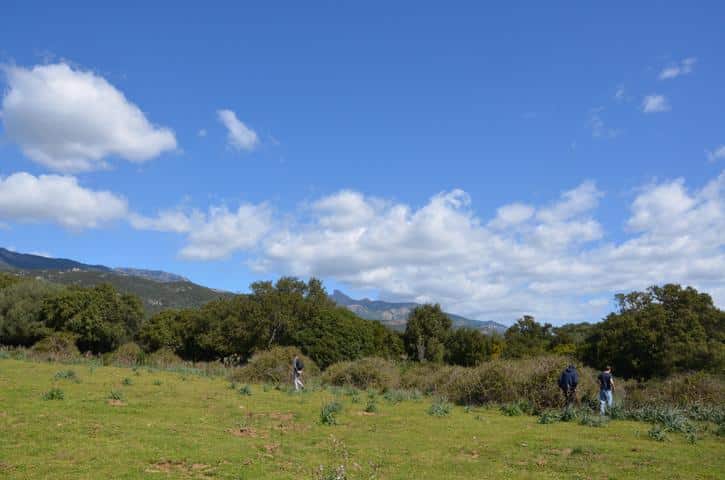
x,y
89,421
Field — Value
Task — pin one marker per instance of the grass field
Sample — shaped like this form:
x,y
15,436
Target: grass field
x,y
165,425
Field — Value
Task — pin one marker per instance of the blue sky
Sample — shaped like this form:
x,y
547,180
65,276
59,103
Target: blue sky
x,y
377,146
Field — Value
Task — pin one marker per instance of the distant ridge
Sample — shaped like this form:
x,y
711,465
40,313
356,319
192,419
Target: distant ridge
x,y
395,315
10,260
155,275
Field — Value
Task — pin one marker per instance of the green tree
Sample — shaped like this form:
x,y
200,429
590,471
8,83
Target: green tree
x,y
658,332
21,311
527,338
468,347
426,333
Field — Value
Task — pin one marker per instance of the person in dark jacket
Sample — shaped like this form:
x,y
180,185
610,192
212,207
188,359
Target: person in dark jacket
x,y
568,382
297,368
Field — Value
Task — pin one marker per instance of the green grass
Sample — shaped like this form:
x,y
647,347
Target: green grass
x,y
200,428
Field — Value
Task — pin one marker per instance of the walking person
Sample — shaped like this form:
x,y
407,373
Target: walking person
x,y
606,387
297,367
568,382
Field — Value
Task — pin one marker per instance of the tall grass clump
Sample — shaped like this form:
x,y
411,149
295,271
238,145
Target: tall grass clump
x,y
67,375
440,407
365,373
329,411
54,394
164,358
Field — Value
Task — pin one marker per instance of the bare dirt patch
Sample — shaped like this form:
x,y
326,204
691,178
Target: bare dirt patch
x,y
168,466
248,432
116,403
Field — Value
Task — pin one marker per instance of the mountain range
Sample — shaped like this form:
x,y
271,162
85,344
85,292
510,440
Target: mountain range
x,y
160,290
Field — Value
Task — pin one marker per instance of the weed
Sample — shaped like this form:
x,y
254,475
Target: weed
x,y
245,390
549,417
54,394
157,382
115,395
440,408
586,418
329,412
511,409
657,433
568,415
67,375
371,406
127,381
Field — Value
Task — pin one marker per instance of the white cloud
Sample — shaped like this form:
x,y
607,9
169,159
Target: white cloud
x,y
57,199
655,103
72,120
202,132
596,123
239,135
675,70
214,235
717,154
549,260
620,94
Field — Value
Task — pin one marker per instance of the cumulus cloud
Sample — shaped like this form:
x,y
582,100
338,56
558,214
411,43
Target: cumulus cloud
x,y
213,235
655,104
239,135
717,154
57,199
675,70
72,120
550,260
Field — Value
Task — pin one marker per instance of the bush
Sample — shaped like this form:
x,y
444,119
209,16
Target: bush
x,y
511,409
273,366
657,433
128,355
59,346
164,358
370,372
682,390
590,420
54,394
329,412
371,406
440,408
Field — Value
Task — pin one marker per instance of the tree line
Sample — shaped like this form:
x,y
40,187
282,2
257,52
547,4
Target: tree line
x,y
653,333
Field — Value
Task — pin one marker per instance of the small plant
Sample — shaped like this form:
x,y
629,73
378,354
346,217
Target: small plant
x,y
127,381
549,417
371,406
115,395
329,412
337,474
440,408
266,387
232,386
657,433
157,382
54,394
66,375
511,410
568,415
590,420
245,390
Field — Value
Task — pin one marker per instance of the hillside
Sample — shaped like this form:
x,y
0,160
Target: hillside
x,y
395,315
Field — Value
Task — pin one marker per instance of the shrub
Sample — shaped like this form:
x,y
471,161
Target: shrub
x,y
440,408
328,413
371,406
245,390
682,390
127,355
164,358
273,366
58,346
370,372
590,420
54,394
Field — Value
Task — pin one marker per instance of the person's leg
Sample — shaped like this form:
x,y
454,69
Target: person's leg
x,y
610,399
602,402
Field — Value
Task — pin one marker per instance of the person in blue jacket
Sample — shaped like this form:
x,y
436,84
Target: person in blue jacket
x,y
568,382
